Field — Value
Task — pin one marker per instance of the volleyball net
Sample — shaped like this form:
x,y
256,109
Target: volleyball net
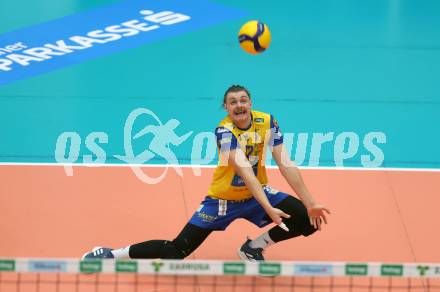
x,y
49,275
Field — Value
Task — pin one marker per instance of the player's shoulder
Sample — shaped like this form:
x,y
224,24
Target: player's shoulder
x,y
225,125
259,117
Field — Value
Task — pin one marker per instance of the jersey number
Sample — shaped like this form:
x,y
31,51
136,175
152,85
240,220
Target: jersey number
x,y
237,181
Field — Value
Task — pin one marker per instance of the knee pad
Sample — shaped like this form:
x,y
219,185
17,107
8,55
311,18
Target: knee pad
x,y
308,230
301,223
171,252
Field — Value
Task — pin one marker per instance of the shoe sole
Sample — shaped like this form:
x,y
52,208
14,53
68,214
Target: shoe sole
x,y
243,256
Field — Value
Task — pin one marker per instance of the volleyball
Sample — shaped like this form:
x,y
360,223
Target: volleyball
x,y
254,37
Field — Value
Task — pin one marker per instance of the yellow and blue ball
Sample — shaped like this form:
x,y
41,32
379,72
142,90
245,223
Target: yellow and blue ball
x,y
254,37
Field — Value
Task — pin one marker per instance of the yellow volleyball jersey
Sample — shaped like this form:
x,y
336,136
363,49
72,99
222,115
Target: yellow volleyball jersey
x,y
263,131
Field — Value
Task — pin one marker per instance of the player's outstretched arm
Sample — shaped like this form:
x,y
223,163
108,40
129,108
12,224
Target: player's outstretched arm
x,y
293,177
244,169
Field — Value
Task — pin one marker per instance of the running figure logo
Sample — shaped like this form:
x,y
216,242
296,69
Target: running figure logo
x,y
163,136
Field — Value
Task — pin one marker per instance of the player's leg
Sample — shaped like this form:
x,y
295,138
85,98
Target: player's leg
x,y
213,214
182,246
188,240
298,224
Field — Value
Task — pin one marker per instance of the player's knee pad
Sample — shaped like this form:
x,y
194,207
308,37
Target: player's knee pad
x,y
171,252
309,230
301,223
290,223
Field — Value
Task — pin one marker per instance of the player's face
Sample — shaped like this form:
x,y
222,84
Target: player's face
x,y
238,105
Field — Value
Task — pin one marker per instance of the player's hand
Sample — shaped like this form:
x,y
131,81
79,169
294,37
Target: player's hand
x,y
277,215
317,215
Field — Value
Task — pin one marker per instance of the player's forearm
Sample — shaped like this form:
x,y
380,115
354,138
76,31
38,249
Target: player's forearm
x,y
256,190
244,169
295,181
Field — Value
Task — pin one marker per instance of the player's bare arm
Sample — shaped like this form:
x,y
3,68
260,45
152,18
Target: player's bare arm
x,y
243,168
293,177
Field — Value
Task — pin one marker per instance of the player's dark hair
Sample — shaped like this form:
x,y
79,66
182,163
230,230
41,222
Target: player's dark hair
x,y
235,88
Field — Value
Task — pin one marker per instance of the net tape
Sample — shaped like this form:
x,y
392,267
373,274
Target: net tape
x,y
214,267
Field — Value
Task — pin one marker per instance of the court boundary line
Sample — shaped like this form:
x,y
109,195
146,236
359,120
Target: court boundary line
x,y
96,165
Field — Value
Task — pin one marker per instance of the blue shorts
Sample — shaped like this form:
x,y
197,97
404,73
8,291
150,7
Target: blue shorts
x,y
217,214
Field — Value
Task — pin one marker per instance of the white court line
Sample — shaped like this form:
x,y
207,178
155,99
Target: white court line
x,y
211,166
